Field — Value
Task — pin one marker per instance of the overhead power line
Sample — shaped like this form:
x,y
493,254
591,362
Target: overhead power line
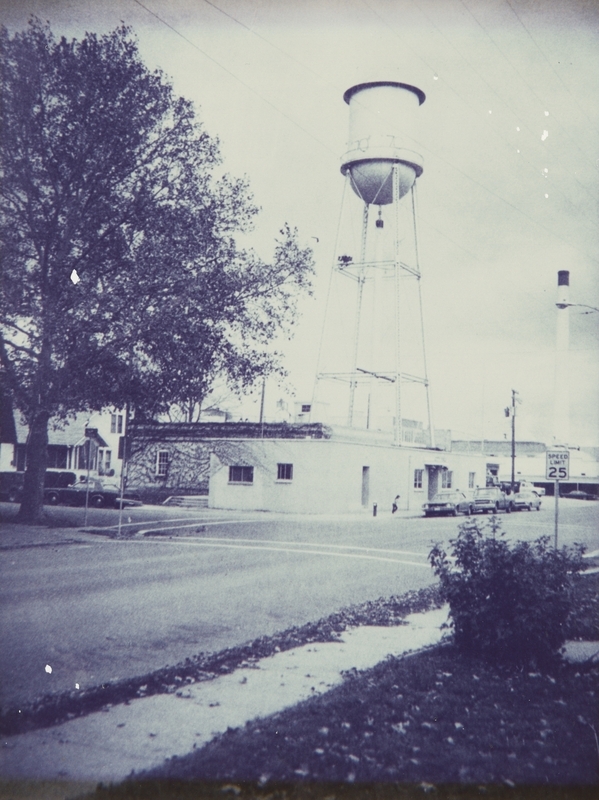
x,y
491,88
524,81
232,74
494,129
551,67
267,41
316,139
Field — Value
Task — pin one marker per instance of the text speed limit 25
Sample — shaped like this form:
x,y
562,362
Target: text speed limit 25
x,y
558,465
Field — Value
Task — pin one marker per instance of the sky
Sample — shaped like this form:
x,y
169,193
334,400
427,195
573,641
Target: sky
x,y
509,134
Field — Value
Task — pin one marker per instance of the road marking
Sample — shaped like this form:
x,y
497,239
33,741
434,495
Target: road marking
x,y
202,543
309,544
276,541
217,543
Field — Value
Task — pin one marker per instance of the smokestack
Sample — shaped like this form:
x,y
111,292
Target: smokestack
x,y
561,418
563,288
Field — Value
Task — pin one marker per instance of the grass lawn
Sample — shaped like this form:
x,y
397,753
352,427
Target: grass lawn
x,y
433,717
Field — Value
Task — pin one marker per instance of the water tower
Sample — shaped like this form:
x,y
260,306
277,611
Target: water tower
x,y
378,341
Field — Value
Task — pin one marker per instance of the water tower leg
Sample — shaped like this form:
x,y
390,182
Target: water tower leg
x,y
353,378
398,433
431,425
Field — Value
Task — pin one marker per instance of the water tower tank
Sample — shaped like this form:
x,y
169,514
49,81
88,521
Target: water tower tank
x,y
381,113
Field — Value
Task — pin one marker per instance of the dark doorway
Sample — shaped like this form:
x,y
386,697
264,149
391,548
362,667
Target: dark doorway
x,y
365,485
433,481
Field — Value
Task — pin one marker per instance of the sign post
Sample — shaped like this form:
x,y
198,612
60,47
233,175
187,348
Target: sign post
x,y
557,469
90,433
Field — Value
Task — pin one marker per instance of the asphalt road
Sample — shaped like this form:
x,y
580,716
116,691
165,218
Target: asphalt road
x,y
102,609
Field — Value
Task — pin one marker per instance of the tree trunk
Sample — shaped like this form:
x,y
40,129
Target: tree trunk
x,y
32,505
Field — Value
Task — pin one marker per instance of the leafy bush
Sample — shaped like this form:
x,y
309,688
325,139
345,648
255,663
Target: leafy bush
x,y
508,602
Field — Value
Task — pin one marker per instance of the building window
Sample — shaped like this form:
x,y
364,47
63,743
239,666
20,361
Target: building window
x,y
306,408
104,459
241,474
20,457
446,479
162,460
418,478
471,479
86,456
284,472
116,423
57,456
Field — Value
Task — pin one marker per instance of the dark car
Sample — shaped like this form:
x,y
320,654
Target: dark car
x,y
449,502
94,492
578,494
59,479
11,486
11,483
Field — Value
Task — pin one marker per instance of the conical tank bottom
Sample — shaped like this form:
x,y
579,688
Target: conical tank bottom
x,y
372,180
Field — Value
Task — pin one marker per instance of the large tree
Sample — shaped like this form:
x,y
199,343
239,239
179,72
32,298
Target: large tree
x,y
122,280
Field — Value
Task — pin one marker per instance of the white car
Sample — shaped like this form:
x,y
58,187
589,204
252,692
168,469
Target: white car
x,y
526,486
526,499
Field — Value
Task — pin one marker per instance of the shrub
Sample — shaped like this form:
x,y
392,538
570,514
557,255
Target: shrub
x,y
508,602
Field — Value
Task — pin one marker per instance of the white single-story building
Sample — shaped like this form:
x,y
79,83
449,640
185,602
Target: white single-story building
x,y
334,470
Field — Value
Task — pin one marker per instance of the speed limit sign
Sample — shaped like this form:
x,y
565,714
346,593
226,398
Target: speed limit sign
x,y
558,465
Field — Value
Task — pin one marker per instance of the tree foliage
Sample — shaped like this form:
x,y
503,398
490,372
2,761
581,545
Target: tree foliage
x,y
508,602
122,280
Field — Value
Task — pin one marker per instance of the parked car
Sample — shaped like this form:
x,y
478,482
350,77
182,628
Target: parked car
x,y
526,486
491,498
449,502
578,494
11,483
59,478
11,486
527,500
520,486
98,495
131,495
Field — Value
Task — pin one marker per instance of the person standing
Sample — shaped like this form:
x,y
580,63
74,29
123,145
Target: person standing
x,y
395,505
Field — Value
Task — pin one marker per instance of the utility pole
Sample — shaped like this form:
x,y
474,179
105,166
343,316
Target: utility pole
x,y
125,453
510,411
262,408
